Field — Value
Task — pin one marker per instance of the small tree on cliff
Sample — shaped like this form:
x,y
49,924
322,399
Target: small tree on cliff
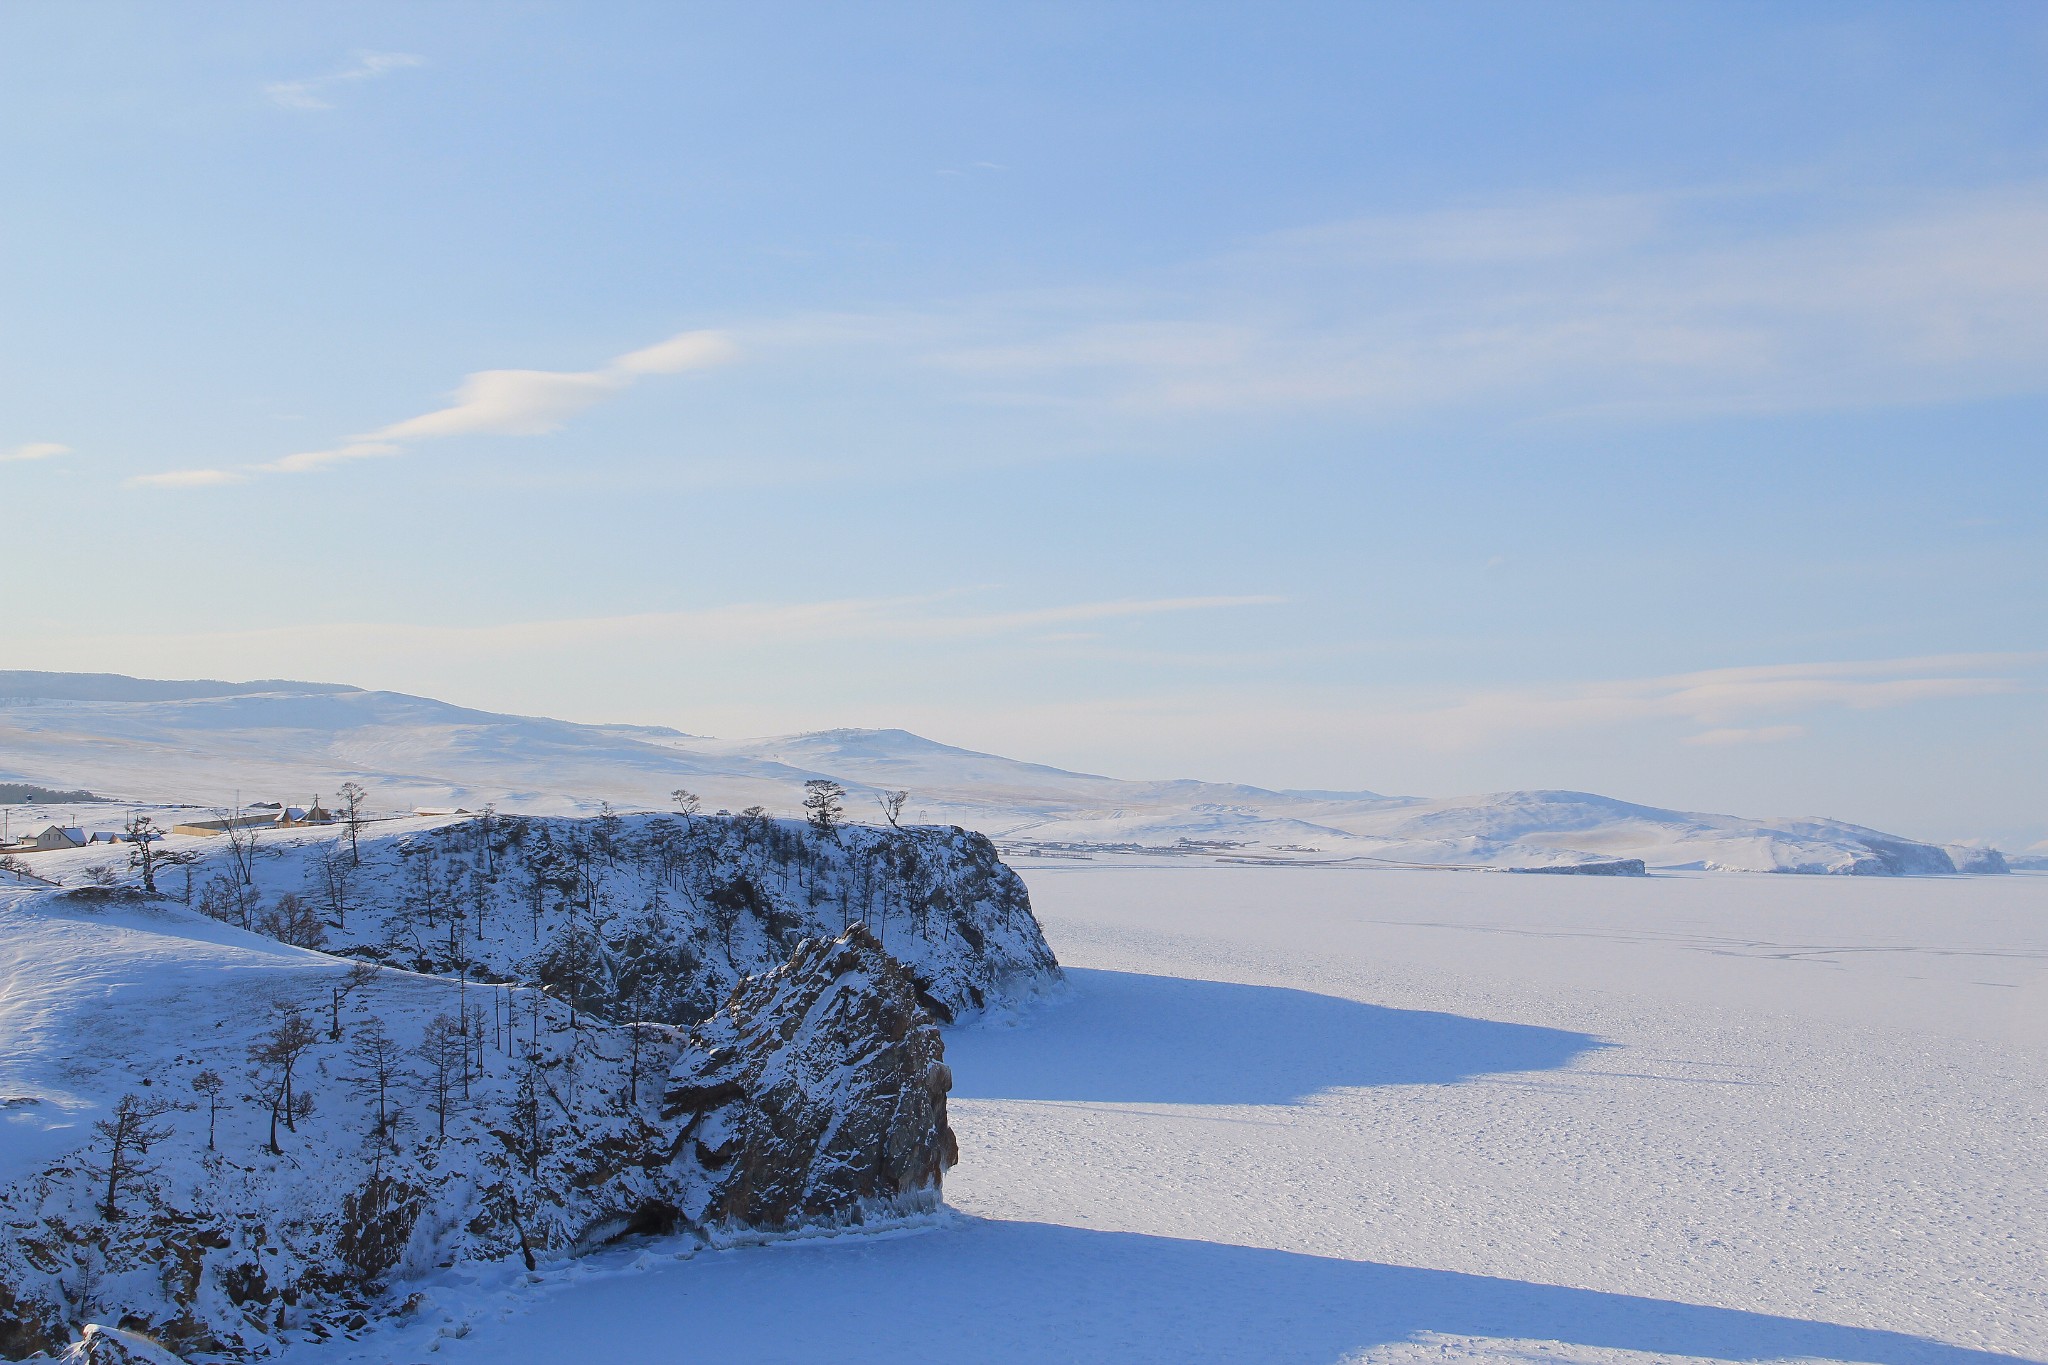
x,y
209,1084
445,1050
824,805
352,794
276,1055
379,1069
892,807
130,1133
334,877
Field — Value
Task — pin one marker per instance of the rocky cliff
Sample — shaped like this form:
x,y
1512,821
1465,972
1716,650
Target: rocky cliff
x,y
635,917
305,1137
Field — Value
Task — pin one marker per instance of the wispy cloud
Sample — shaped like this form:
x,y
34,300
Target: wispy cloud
x,y
1720,699
312,92
34,450
519,402
185,478
488,402
707,637
1728,735
1635,304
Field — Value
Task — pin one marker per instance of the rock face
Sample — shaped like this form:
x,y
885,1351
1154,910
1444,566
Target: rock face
x,y
644,917
819,1088
1977,860
815,1095
111,1346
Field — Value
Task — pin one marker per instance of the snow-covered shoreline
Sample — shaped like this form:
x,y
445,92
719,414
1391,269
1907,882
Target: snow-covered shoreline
x,y
154,742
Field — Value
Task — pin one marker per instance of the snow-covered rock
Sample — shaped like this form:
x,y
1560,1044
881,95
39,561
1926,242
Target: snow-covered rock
x,y
1977,858
433,1121
100,1345
819,1086
493,1057
642,917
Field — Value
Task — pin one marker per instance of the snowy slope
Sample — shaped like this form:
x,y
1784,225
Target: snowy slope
x,y
202,743
815,1096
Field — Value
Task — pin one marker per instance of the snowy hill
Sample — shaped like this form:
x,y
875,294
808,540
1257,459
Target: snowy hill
x,y
202,743
527,1036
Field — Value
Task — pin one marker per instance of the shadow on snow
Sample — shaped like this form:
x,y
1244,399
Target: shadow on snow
x,y
1122,1036
994,1292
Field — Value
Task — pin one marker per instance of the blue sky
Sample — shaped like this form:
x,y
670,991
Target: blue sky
x,y
1423,398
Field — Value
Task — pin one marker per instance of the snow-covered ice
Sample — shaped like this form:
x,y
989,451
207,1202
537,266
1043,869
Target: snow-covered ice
x,y
1312,1115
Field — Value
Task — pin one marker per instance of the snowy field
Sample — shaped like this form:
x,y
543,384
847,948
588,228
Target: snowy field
x,y
1307,1115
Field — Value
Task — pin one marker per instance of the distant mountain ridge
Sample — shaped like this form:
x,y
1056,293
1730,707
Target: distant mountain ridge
x,y
27,685
201,742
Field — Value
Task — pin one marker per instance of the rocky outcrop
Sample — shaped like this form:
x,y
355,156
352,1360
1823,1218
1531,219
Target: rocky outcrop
x,y
1605,867
646,917
815,1095
99,1345
1977,859
819,1089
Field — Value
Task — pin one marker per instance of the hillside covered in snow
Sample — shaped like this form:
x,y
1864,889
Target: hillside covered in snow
x,y
202,743
249,1109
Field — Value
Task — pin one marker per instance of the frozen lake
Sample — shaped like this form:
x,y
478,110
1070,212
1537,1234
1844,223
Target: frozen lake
x,y
1291,1114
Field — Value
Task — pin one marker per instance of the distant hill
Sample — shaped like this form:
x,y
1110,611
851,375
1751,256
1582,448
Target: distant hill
x,y
204,743
23,685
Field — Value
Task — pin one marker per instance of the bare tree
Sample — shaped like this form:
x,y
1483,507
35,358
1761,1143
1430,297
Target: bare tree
x,y
226,899
209,1084
445,1051
241,845
276,1054
486,829
479,886
606,831
334,877
294,921
379,1069
892,807
686,801
824,804
529,1138
352,794
360,975
142,836
129,1133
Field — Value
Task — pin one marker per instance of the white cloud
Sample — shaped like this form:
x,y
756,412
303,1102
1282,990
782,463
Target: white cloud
x,y
536,402
1765,734
507,402
311,93
494,402
684,351
34,450
308,460
185,478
